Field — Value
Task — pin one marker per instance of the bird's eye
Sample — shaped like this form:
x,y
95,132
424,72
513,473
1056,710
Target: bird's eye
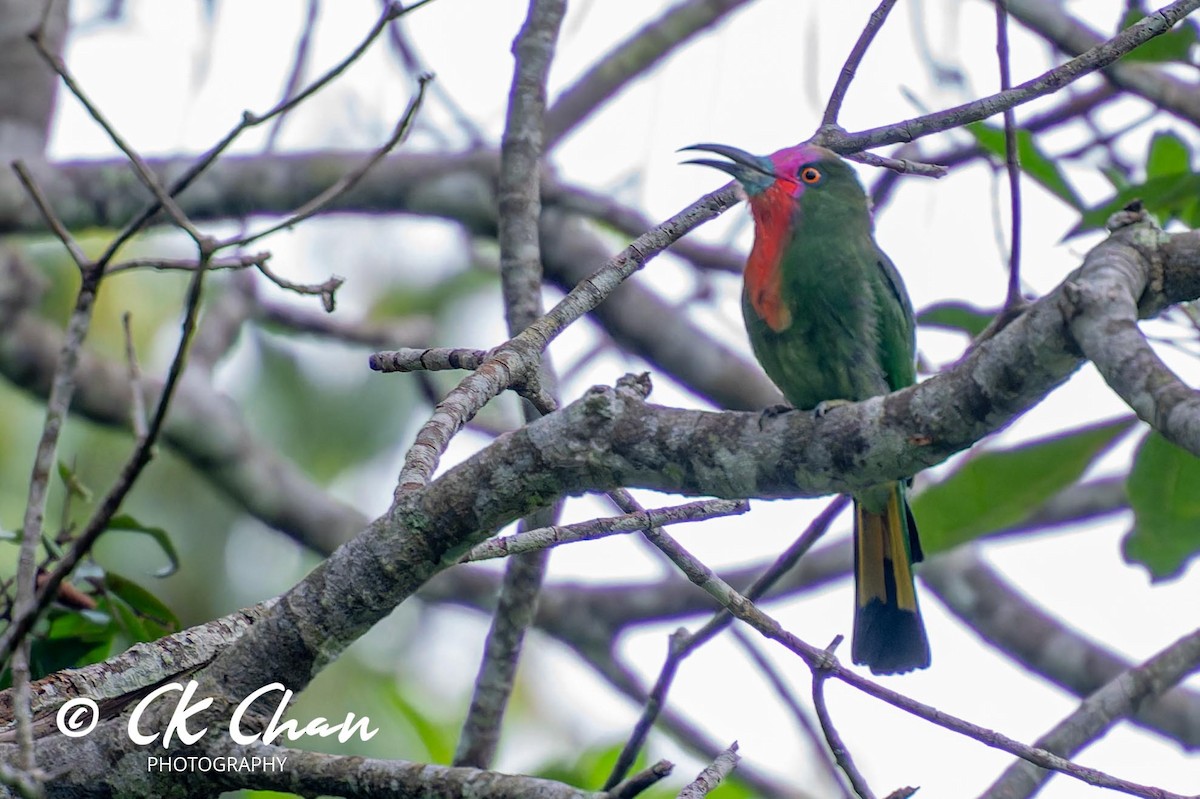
x,y
810,175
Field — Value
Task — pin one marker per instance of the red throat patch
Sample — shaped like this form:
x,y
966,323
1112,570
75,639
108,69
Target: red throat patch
x,y
764,279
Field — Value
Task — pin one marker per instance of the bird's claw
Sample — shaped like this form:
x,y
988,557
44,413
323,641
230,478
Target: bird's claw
x,y
772,412
825,406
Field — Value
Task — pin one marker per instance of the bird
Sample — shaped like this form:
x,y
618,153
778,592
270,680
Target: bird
x,y
830,321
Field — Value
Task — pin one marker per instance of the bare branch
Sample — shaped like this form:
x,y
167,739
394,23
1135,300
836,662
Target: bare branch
x,y
519,209
816,659
874,23
836,745
630,59
1013,299
683,643
1156,85
344,184
784,692
556,535
642,780
1100,711
1098,57
518,357
708,779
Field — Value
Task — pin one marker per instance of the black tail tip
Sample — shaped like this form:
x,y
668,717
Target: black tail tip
x,y
888,640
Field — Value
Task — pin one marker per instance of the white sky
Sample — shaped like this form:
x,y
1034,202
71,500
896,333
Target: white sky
x,y
173,82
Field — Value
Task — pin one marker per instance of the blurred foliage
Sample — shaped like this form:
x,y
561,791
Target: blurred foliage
x,y
399,301
994,489
324,423
1166,508
124,614
1034,163
1175,45
589,770
101,613
954,315
1171,190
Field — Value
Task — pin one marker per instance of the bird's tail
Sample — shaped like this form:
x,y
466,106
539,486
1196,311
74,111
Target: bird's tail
x,y
889,635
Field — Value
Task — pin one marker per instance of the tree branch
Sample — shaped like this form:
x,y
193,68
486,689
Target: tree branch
x,y
1154,84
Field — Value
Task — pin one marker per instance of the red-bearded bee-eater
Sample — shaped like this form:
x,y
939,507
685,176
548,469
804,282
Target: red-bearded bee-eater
x,y
829,320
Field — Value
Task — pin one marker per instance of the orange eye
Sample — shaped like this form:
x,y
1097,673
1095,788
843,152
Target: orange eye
x,y
810,175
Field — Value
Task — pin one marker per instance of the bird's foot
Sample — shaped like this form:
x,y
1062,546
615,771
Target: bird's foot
x,y
825,406
772,412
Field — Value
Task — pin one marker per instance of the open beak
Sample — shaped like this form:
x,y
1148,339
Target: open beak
x,y
755,172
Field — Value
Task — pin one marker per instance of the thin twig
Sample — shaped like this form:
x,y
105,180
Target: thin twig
x,y
413,64
682,643
838,95
521,354
242,261
391,11
326,291
1118,699
1079,105
23,698
630,59
556,535
642,780
24,618
296,74
901,166
52,221
140,168
836,745
25,606
1012,162
1094,59
137,405
785,694
708,779
815,658
347,181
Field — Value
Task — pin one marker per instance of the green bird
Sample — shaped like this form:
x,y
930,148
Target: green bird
x,y
830,321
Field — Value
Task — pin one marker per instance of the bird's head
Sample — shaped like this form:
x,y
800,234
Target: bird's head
x,y
793,182
791,171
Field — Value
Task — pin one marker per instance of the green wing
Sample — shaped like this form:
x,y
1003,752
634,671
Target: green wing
x,y
897,329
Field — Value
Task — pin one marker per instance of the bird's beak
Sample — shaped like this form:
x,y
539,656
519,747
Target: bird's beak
x,y
755,172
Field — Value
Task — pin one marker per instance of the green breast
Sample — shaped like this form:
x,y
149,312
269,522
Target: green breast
x,y
851,331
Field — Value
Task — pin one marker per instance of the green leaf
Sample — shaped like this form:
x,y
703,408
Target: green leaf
x,y
1167,197
1034,162
1170,190
154,618
1000,488
73,484
1166,508
127,523
344,422
1168,155
590,766
402,301
954,315
1174,45
83,625
438,739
